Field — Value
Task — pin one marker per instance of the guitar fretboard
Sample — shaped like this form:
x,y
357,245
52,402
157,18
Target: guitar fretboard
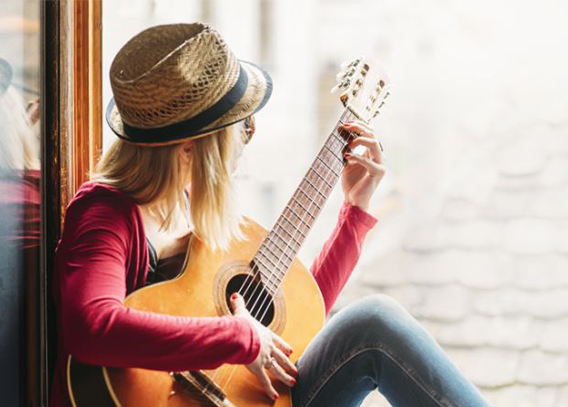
x,y
282,244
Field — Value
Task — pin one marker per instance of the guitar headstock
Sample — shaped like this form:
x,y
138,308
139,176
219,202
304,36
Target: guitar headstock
x,y
364,86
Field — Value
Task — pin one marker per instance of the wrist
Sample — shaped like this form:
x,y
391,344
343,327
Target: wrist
x,y
362,204
253,343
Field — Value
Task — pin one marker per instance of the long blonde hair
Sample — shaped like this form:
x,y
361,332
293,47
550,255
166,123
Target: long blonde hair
x,y
149,174
19,143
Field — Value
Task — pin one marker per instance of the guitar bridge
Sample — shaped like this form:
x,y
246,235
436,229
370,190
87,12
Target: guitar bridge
x,y
202,388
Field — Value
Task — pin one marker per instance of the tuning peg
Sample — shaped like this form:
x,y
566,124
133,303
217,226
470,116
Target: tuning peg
x,y
341,85
349,64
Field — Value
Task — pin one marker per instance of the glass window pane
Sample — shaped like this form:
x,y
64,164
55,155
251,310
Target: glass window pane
x,y
19,198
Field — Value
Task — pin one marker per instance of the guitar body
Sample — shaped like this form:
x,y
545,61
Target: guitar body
x,y
202,289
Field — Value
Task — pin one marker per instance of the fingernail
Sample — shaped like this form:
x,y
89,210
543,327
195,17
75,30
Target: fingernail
x,y
275,396
293,382
234,296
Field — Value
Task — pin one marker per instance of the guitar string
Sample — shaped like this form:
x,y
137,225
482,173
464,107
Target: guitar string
x,y
330,182
343,142
366,92
257,263
250,277
317,166
284,252
324,168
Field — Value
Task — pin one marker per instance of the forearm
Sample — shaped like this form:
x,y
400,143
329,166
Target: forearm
x,y
111,335
335,263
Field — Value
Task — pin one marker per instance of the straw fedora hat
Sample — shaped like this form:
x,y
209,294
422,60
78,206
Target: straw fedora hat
x,y
176,82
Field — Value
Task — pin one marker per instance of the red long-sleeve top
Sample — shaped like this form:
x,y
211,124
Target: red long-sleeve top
x,y
103,256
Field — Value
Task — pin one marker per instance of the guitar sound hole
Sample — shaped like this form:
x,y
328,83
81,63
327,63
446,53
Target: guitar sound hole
x,y
258,299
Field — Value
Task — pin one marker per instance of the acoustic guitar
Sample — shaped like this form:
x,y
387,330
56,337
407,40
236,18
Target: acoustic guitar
x,y
278,290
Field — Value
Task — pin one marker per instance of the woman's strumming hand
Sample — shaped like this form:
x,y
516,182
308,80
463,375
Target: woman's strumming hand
x,y
273,355
363,173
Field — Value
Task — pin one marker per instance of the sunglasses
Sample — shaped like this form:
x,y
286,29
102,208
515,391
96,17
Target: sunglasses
x,y
249,128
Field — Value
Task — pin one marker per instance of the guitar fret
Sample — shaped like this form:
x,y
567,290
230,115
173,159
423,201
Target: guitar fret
x,y
339,138
285,218
269,281
286,245
266,277
298,216
304,208
315,188
282,250
290,258
331,169
309,197
266,257
288,233
333,153
323,179
293,224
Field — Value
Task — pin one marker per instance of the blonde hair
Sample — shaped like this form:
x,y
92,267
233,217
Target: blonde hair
x,y
149,174
19,143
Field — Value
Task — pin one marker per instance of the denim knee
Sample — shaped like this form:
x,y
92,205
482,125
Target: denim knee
x,y
378,319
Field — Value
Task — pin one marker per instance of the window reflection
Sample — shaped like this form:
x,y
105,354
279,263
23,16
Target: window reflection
x,y
19,200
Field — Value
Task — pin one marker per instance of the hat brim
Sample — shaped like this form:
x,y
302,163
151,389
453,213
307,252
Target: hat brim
x,y
255,97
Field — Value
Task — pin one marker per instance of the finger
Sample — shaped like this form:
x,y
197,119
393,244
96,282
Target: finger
x,y
286,363
359,128
282,344
359,123
267,384
372,144
374,169
364,125
238,304
281,375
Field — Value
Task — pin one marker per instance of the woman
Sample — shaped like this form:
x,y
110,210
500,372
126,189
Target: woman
x,y
182,111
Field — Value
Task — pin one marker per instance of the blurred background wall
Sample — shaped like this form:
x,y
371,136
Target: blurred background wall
x,y
473,213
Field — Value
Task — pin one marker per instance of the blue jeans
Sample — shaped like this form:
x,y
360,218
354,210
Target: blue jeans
x,y
375,344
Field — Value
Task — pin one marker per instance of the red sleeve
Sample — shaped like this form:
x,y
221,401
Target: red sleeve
x,y
96,327
341,251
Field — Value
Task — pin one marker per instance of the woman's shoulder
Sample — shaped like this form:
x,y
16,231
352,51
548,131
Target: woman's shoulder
x,y
94,190
93,194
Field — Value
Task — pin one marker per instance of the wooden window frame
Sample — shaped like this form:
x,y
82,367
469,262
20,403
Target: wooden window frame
x,y
71,141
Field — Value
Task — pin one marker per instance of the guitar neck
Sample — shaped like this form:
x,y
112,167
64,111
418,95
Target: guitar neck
x,y
282,244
